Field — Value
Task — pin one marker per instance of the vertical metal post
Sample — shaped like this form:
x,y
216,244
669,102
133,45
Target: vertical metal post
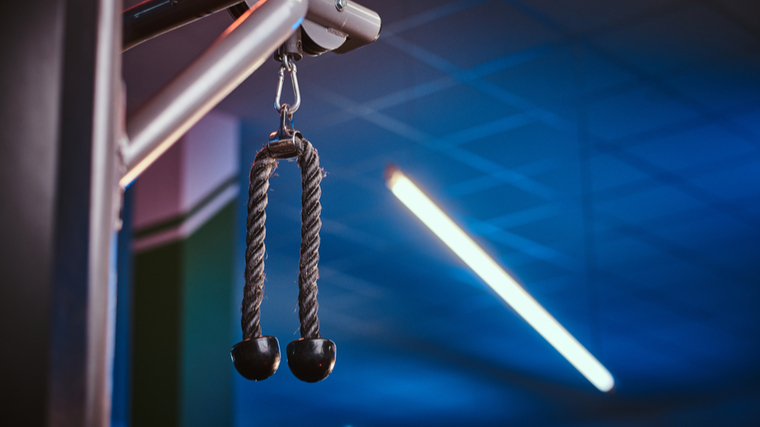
x,y
104,203
57,127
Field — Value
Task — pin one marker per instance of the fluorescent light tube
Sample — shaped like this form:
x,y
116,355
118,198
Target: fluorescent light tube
x,y
504,285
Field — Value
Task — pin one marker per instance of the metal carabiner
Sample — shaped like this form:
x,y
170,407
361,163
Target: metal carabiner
x,y
289,66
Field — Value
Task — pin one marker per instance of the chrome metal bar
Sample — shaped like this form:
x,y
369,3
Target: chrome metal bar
x,y
104,198
237,53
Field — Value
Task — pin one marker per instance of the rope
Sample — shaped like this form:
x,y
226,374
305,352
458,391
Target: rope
x,y
253,292
311,177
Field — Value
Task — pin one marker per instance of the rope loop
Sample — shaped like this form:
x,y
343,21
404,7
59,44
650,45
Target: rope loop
x,y
311,177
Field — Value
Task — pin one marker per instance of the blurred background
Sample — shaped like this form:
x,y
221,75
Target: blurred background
x,y
606,154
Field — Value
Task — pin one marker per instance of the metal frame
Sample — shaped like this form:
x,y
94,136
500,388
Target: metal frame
x,y
149,132
67,153
357,24
235,55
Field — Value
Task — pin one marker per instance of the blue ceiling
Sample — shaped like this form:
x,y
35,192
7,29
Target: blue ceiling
x,y
607,154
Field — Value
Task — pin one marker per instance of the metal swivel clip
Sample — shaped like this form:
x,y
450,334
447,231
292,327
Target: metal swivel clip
x,y
289,66
281,144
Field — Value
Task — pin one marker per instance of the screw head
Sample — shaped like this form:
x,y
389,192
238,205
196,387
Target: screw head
x,y
256,359
341,4
311,360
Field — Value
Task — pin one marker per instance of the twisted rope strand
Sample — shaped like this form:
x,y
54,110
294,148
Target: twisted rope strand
x,y
311,177
253,293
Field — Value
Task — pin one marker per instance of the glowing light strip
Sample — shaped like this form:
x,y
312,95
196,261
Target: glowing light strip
x,y
504,285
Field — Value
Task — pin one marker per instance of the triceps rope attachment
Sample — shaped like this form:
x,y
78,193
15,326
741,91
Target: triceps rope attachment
x,y
257,357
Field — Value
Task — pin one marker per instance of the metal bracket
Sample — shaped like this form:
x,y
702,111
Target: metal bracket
x,y
338,26
292,48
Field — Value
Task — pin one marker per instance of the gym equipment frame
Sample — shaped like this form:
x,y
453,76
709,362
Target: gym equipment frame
x,y
123,148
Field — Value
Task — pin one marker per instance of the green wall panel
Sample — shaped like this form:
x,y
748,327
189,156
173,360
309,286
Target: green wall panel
x,y
182,369
208,268
157,333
